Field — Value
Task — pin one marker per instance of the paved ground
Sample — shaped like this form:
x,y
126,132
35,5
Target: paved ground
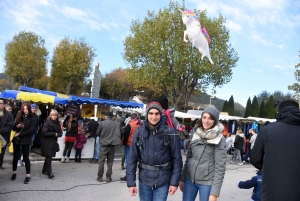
x,y
77,181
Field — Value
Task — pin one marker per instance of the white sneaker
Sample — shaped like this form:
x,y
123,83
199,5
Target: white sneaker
x,y
241,163
19,163
23,163
231,162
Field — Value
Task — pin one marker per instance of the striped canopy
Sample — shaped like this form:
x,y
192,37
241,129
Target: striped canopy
x,y
34,97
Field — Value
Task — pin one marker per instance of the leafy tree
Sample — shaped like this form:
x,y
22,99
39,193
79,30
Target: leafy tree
x,y
296,86
254,107
158,57
225,106
25,58
262,110
248,108
263,96
71,66
116,85
270,108
231,106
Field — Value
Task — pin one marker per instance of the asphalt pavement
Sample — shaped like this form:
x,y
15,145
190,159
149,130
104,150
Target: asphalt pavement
x,y
77,182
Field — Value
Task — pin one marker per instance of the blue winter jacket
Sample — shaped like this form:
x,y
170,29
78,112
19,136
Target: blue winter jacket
x,y
154,152
255,182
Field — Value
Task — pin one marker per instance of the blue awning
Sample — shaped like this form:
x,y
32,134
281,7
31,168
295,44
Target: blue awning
x,y
29,89
122,104
34,97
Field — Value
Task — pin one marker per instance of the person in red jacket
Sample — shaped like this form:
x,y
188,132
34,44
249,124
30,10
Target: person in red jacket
x,y
132,125
80,141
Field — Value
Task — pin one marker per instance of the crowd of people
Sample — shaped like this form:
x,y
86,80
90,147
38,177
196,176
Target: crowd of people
x,y
153,149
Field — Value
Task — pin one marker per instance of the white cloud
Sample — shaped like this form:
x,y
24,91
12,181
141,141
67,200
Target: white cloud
x,y
277,66
233,26
256,70
264,4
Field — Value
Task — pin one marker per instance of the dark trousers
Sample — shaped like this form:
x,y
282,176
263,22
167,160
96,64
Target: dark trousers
x,y
47,165
106,152
68,147
2,155
25,149
78,154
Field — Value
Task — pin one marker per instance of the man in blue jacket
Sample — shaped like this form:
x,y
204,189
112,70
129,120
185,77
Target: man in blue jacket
x,y
155,149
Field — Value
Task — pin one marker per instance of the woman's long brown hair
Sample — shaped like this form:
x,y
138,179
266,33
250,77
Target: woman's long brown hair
x,y
21,113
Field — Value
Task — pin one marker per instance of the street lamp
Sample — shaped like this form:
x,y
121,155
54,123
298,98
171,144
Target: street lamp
x,y
140,91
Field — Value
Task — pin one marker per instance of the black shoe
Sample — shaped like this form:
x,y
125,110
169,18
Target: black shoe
x,y
123,178
27,180
46,173
99,179
50,176
94,161
78,161
13,177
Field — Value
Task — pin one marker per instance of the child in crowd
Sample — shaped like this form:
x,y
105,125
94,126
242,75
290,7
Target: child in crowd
x,y
255,182
80,141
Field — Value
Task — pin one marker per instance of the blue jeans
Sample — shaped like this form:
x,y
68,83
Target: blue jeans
x,y
247,155
127,149
183,143
97,148
146,193
190,191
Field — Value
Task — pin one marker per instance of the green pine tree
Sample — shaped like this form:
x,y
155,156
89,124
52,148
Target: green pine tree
x,y
270,108
262,110
254,107
225,106
248,107
231,106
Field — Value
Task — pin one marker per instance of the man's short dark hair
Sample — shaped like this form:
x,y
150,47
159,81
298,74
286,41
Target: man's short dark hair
x,y
4,100
286,103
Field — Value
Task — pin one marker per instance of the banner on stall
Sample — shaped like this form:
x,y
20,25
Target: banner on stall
x,y
88,110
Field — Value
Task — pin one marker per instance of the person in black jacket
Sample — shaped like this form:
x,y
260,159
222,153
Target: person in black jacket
x,y
50,132
156,147
276,151
238,147
70,138
90,128
24,127
6,125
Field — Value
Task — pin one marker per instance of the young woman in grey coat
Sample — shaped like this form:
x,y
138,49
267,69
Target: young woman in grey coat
x,y
205,164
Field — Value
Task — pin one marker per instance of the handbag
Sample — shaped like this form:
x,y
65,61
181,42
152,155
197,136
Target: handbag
x,y
16,140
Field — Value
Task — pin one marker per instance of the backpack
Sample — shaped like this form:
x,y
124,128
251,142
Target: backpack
x,y
166,143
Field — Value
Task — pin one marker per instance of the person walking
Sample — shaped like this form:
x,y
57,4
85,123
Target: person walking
x,y
70,138
155,149
276,151
24,127
50,132
252,142
238,147
132,125
109,132
6,125
205,164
